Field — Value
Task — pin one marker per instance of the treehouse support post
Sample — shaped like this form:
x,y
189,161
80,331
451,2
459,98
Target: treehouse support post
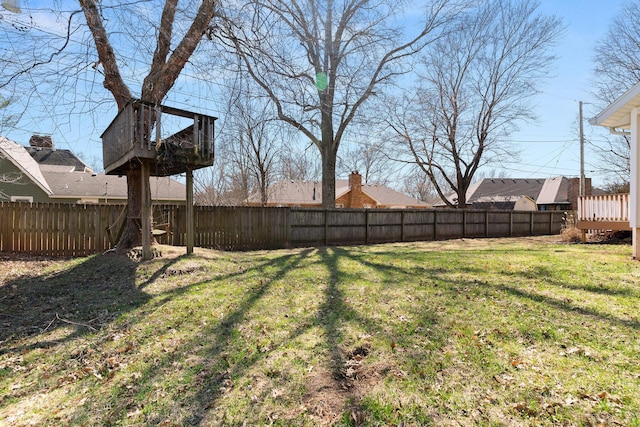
x,y
190,212
145,220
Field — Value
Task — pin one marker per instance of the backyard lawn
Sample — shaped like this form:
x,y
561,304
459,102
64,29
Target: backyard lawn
x,y
523,332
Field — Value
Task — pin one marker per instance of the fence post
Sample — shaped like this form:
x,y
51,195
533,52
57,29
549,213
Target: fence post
x,y
435,224
326,226
190,213
366,226
402,225
464,223
510,223
531,223
486,224
287,227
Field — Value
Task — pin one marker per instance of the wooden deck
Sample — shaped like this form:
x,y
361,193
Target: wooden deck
x,y
606,212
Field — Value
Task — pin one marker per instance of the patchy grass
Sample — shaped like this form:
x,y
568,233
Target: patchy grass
x,y
469,332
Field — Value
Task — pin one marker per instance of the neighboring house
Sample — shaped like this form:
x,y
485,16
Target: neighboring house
x,y
550,194
42,173
350,193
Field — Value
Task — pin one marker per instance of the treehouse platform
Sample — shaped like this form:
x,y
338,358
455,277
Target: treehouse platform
x,y
170,140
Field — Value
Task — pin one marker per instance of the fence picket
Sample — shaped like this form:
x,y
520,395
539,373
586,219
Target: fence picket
x,y
58,229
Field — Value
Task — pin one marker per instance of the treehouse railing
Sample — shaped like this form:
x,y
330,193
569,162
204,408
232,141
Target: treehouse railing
x,y
136,133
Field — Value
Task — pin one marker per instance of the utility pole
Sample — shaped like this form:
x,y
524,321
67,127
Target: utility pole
x,y
582,179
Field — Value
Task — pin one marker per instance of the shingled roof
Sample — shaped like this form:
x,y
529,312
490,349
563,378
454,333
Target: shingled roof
x,y
54,159
544,191
90,185
309,193
62,175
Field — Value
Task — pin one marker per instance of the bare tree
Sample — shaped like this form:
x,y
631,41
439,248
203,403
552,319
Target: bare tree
x,y
370,160
475,88
210,186
297,163
255,139
616,70
140,46
167,62
614,157
617,57
418,185
319,61
6,120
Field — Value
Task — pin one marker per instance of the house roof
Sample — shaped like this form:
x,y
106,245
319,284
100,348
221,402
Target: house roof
x,y
56,158
554,190
389,197
19,156
297,192
61,174
617,114
88,185
543,191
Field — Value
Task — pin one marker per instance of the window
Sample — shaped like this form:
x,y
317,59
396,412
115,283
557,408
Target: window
x,y
26,199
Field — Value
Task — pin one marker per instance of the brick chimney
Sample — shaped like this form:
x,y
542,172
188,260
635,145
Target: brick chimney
x,y
41,141
355,195
574,191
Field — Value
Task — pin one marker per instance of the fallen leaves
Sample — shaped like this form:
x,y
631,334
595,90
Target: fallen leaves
x,y
578,351
504,378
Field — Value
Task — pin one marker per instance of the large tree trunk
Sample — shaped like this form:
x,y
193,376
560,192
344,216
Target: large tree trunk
x,y
328,178
132,235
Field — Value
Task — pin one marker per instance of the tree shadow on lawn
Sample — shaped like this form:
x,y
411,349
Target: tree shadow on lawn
x,y
337,311
218,358
83,299
96,291
50,310
334,392
547,274
203,363
541,272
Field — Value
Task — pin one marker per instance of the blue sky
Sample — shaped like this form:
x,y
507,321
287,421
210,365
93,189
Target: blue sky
x,y
550,147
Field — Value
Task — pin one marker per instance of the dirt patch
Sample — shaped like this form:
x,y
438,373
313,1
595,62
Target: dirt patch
x,y
331,395
326,397
13,266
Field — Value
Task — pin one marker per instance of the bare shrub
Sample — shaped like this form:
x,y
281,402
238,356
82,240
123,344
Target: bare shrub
x,y
571,235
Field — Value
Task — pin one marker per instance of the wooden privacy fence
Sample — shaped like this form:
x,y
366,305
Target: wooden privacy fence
x,y
77,230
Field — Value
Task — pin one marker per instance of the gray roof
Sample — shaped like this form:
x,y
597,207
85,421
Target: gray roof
x,y
542,190
56,157
63,175
493,187
88,185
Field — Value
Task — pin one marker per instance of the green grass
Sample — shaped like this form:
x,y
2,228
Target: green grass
x,y
468,332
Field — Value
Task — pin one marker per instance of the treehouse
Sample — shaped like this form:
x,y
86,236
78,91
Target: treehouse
x,y
158,141
170,140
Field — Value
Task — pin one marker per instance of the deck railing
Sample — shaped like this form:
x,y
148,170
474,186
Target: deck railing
x,y
605,212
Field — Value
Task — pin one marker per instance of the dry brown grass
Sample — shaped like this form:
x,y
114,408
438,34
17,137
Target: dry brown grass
x,y
571,235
